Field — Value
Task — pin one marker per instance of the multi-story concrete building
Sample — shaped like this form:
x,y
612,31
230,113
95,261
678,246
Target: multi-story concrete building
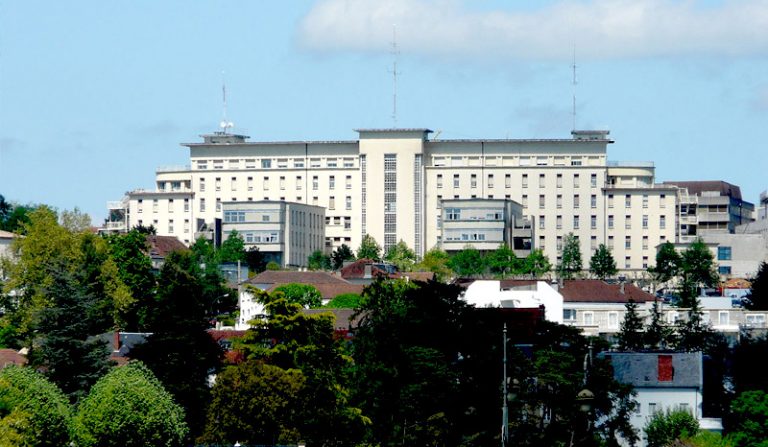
x,y
710,207
485,224
285,232
390,183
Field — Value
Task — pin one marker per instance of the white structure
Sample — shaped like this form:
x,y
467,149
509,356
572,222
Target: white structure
x,y
516,294
663,381
6,239
285,232
485,224
390,184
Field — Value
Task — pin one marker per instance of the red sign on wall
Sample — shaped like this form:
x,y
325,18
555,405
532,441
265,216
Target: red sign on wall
x,y
666,370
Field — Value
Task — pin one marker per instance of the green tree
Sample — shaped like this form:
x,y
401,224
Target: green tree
x,y
344,301
502,262
401,256
758,292
33,411
5,209
129,407
697,270
631,335
467,262
668,426
570,264
15,217
305,295
602,264
369,249
658,334
319,261
232,249
435,261
255,403
749,412
668,263
536,264
341,254
693,333
129,253
256,260
180,352
273,266
288,338
65,348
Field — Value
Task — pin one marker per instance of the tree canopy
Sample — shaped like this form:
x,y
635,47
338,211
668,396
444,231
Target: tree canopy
x,y
467,262
319,261
129,407
33,411
570,259
758,293
631,335
435,261
303,294
401,256
341,254
602,264
369,249
537,264
502,262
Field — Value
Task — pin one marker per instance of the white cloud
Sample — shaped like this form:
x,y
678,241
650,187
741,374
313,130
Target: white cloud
x,y
599,29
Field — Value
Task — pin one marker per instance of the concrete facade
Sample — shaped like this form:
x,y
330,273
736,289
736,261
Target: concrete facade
x,y
285,232
390,183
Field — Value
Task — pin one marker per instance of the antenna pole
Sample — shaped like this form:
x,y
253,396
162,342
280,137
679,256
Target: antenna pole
x,y
395,52
574,87
225,123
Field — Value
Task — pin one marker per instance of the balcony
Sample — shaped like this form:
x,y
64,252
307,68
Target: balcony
x,y
116,226
629,164
116,205
173,168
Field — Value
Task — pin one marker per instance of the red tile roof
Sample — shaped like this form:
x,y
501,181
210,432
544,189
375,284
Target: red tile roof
x,y
597,291
343,317
11,357
162,245
357,269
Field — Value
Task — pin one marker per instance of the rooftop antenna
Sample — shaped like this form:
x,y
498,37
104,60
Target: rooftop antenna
x,y
395,52
225,123
573,66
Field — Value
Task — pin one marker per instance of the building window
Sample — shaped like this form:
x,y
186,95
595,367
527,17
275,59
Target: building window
x,y
217,184
455,180
170,225
542,245
331,203
154,205
645,242
628,222
507,181
233,184
186,225
170,205
576,201
613,319
266,163
542,180
645,221
299,185
610,222
452,213
541,222
723,253
627,262
265,184
662,200
559,181
282,182
575,222
723,317
724,269
332,182
645,262
627,201
559,201
439,180
589,318
559,244
473,181
348,203
559,222
202,205
627,242
593,180
218,205
542,202
525,181
249,183
525,201
576,181
202,184
610,200
490,181
593,222
593,243
569,314
315,183
186,205
645,200
610,242
662,222
593,201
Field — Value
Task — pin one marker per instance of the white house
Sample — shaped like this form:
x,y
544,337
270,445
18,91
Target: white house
x,y
516,294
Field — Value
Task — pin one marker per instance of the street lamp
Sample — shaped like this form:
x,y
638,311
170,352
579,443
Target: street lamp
x,y
585,398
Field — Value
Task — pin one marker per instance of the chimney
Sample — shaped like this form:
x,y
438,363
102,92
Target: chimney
x,y
621,287
367,271
117,341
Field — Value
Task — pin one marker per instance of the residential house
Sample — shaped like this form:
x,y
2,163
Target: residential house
x,y
518,294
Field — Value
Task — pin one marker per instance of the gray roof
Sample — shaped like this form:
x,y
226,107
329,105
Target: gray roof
x,y
641,369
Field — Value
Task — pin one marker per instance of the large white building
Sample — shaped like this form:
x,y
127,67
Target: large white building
x,y
390,183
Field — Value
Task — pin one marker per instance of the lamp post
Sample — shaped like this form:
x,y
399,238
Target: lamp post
x,y
584,399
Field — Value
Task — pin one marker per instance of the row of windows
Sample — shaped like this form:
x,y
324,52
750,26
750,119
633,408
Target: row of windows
x,y
279,163
171,205
490,179
266,182
628,201
593,222
522,160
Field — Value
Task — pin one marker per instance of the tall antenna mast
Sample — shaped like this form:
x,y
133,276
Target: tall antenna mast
x,y
395,52
574,87
225,123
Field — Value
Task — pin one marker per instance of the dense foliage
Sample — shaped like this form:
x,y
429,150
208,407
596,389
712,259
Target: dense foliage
x,y
602,264
307,296
129,408
670,425
570,257
33,411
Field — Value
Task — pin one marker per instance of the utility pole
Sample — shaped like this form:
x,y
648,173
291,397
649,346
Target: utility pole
x,y
504,408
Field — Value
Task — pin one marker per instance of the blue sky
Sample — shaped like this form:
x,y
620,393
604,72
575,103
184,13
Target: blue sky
x,y
95,95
